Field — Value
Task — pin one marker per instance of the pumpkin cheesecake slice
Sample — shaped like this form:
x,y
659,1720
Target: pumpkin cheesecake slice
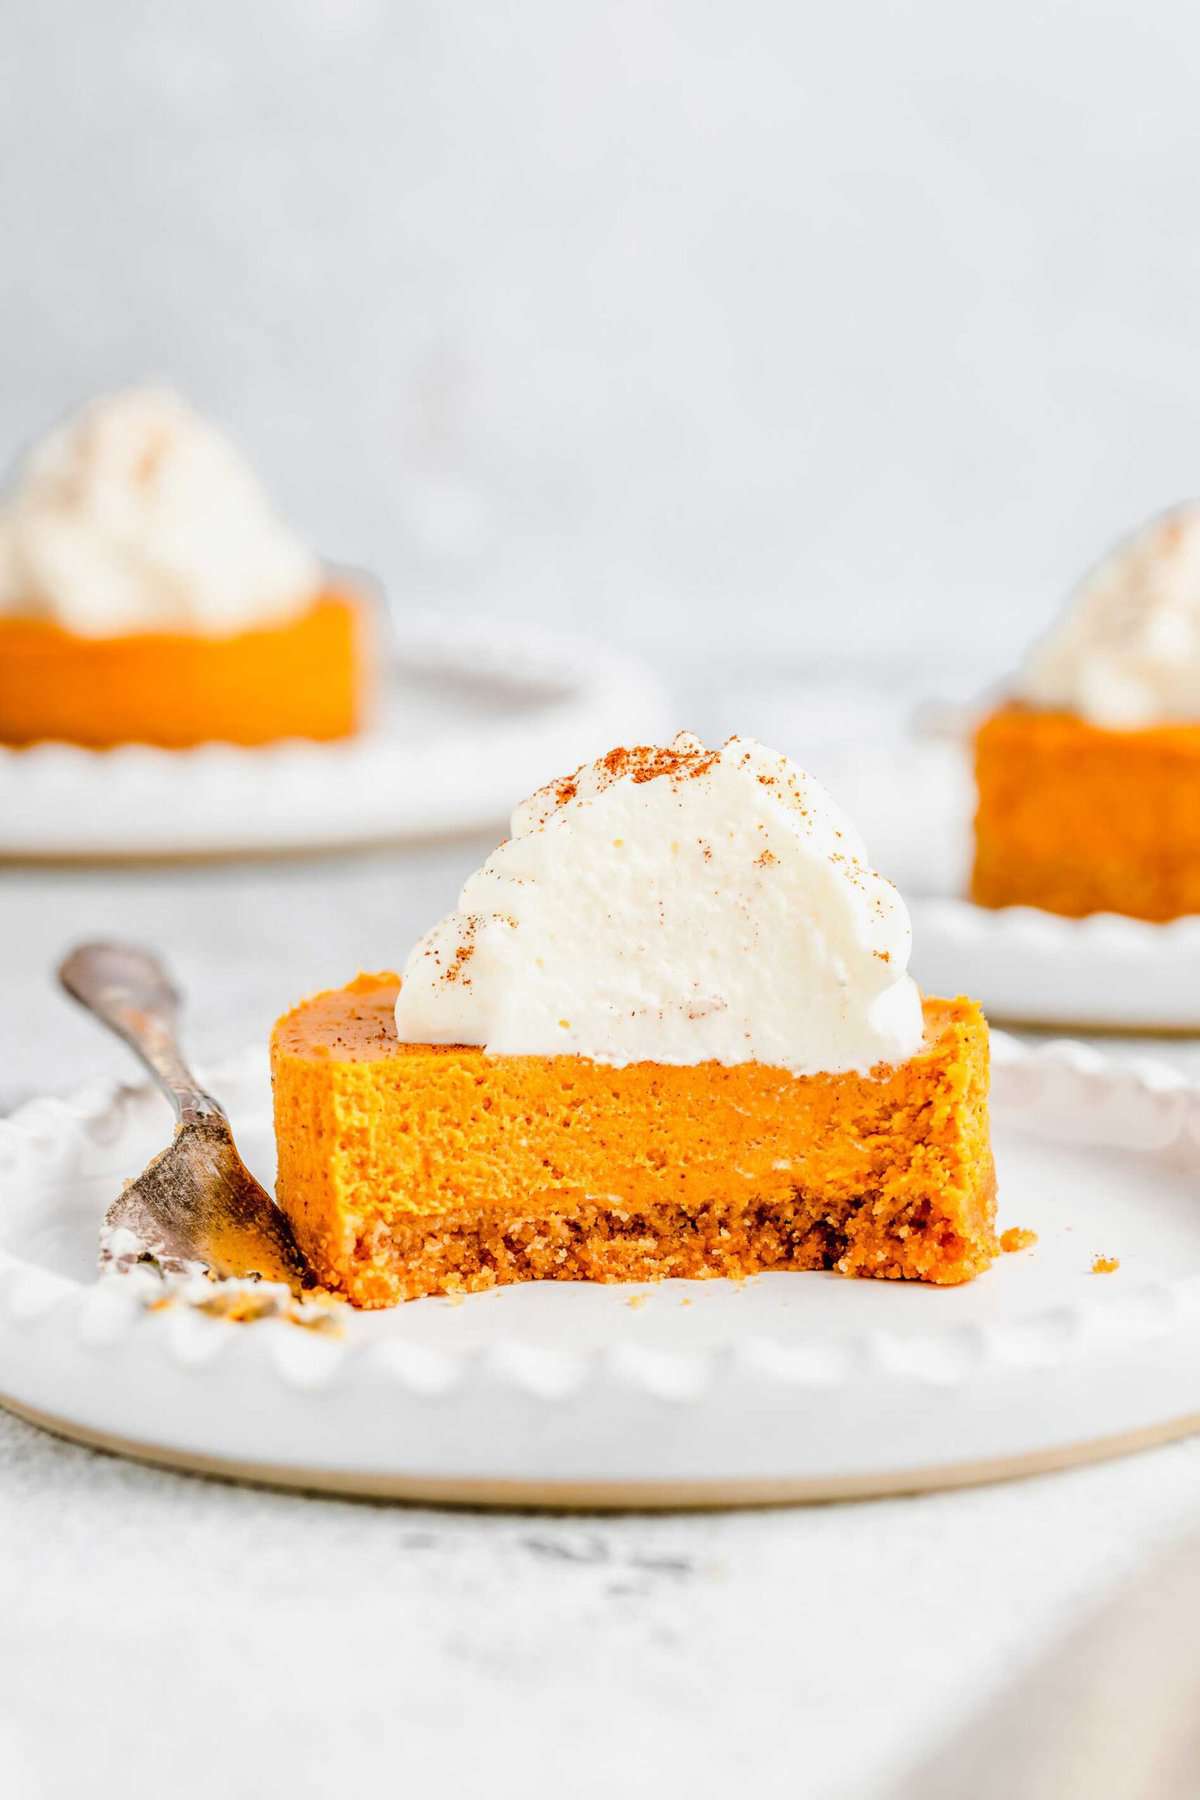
x,y
1088,772
149,594
669,1031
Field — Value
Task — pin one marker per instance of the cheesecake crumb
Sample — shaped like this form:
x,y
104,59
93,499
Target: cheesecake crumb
x,y
1106,1265
1017,1237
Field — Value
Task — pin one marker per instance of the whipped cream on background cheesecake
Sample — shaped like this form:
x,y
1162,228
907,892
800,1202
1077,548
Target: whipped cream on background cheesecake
x,y
139,515
677,906
1126,652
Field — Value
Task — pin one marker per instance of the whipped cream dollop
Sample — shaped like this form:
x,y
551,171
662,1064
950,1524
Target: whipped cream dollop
x,y
138,515
674,905
1126,652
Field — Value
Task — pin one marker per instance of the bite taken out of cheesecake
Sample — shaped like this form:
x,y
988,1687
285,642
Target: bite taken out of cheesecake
x,y
669,1031
149,594
1088,770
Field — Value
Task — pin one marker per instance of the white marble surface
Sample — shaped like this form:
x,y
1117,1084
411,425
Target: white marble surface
x,y
317,1645
165,1635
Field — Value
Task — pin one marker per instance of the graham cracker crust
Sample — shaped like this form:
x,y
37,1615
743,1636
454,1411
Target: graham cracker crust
x,y
599,1241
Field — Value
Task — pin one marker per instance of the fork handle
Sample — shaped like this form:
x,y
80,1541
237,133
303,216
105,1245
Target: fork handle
x,y
128,990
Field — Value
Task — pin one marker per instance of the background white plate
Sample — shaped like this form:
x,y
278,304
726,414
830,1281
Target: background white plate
x,y
784,1386
1036,968
473,717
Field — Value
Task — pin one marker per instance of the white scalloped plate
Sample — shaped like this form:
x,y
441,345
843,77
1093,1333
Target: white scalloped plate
x,y
474,713
1031,967
784,1387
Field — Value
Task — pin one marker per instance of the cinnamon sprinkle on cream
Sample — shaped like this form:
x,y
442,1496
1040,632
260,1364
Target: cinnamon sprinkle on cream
x,y
462,957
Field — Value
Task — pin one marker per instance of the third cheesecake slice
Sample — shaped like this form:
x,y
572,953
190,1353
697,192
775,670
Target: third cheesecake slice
x,y
669,1031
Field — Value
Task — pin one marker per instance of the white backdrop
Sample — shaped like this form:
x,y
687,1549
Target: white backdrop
x,y
772,325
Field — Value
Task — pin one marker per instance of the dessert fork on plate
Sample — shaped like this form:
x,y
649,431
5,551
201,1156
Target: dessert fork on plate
x,y
195,1208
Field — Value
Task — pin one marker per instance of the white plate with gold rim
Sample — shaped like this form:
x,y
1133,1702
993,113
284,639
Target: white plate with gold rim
x,y
473,715
783,1387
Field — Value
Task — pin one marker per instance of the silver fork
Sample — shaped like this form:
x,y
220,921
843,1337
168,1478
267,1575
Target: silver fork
x,y
196,1202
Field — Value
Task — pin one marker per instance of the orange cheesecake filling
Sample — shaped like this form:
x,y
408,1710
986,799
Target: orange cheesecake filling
x,y
305,677
1078,818
410,1169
